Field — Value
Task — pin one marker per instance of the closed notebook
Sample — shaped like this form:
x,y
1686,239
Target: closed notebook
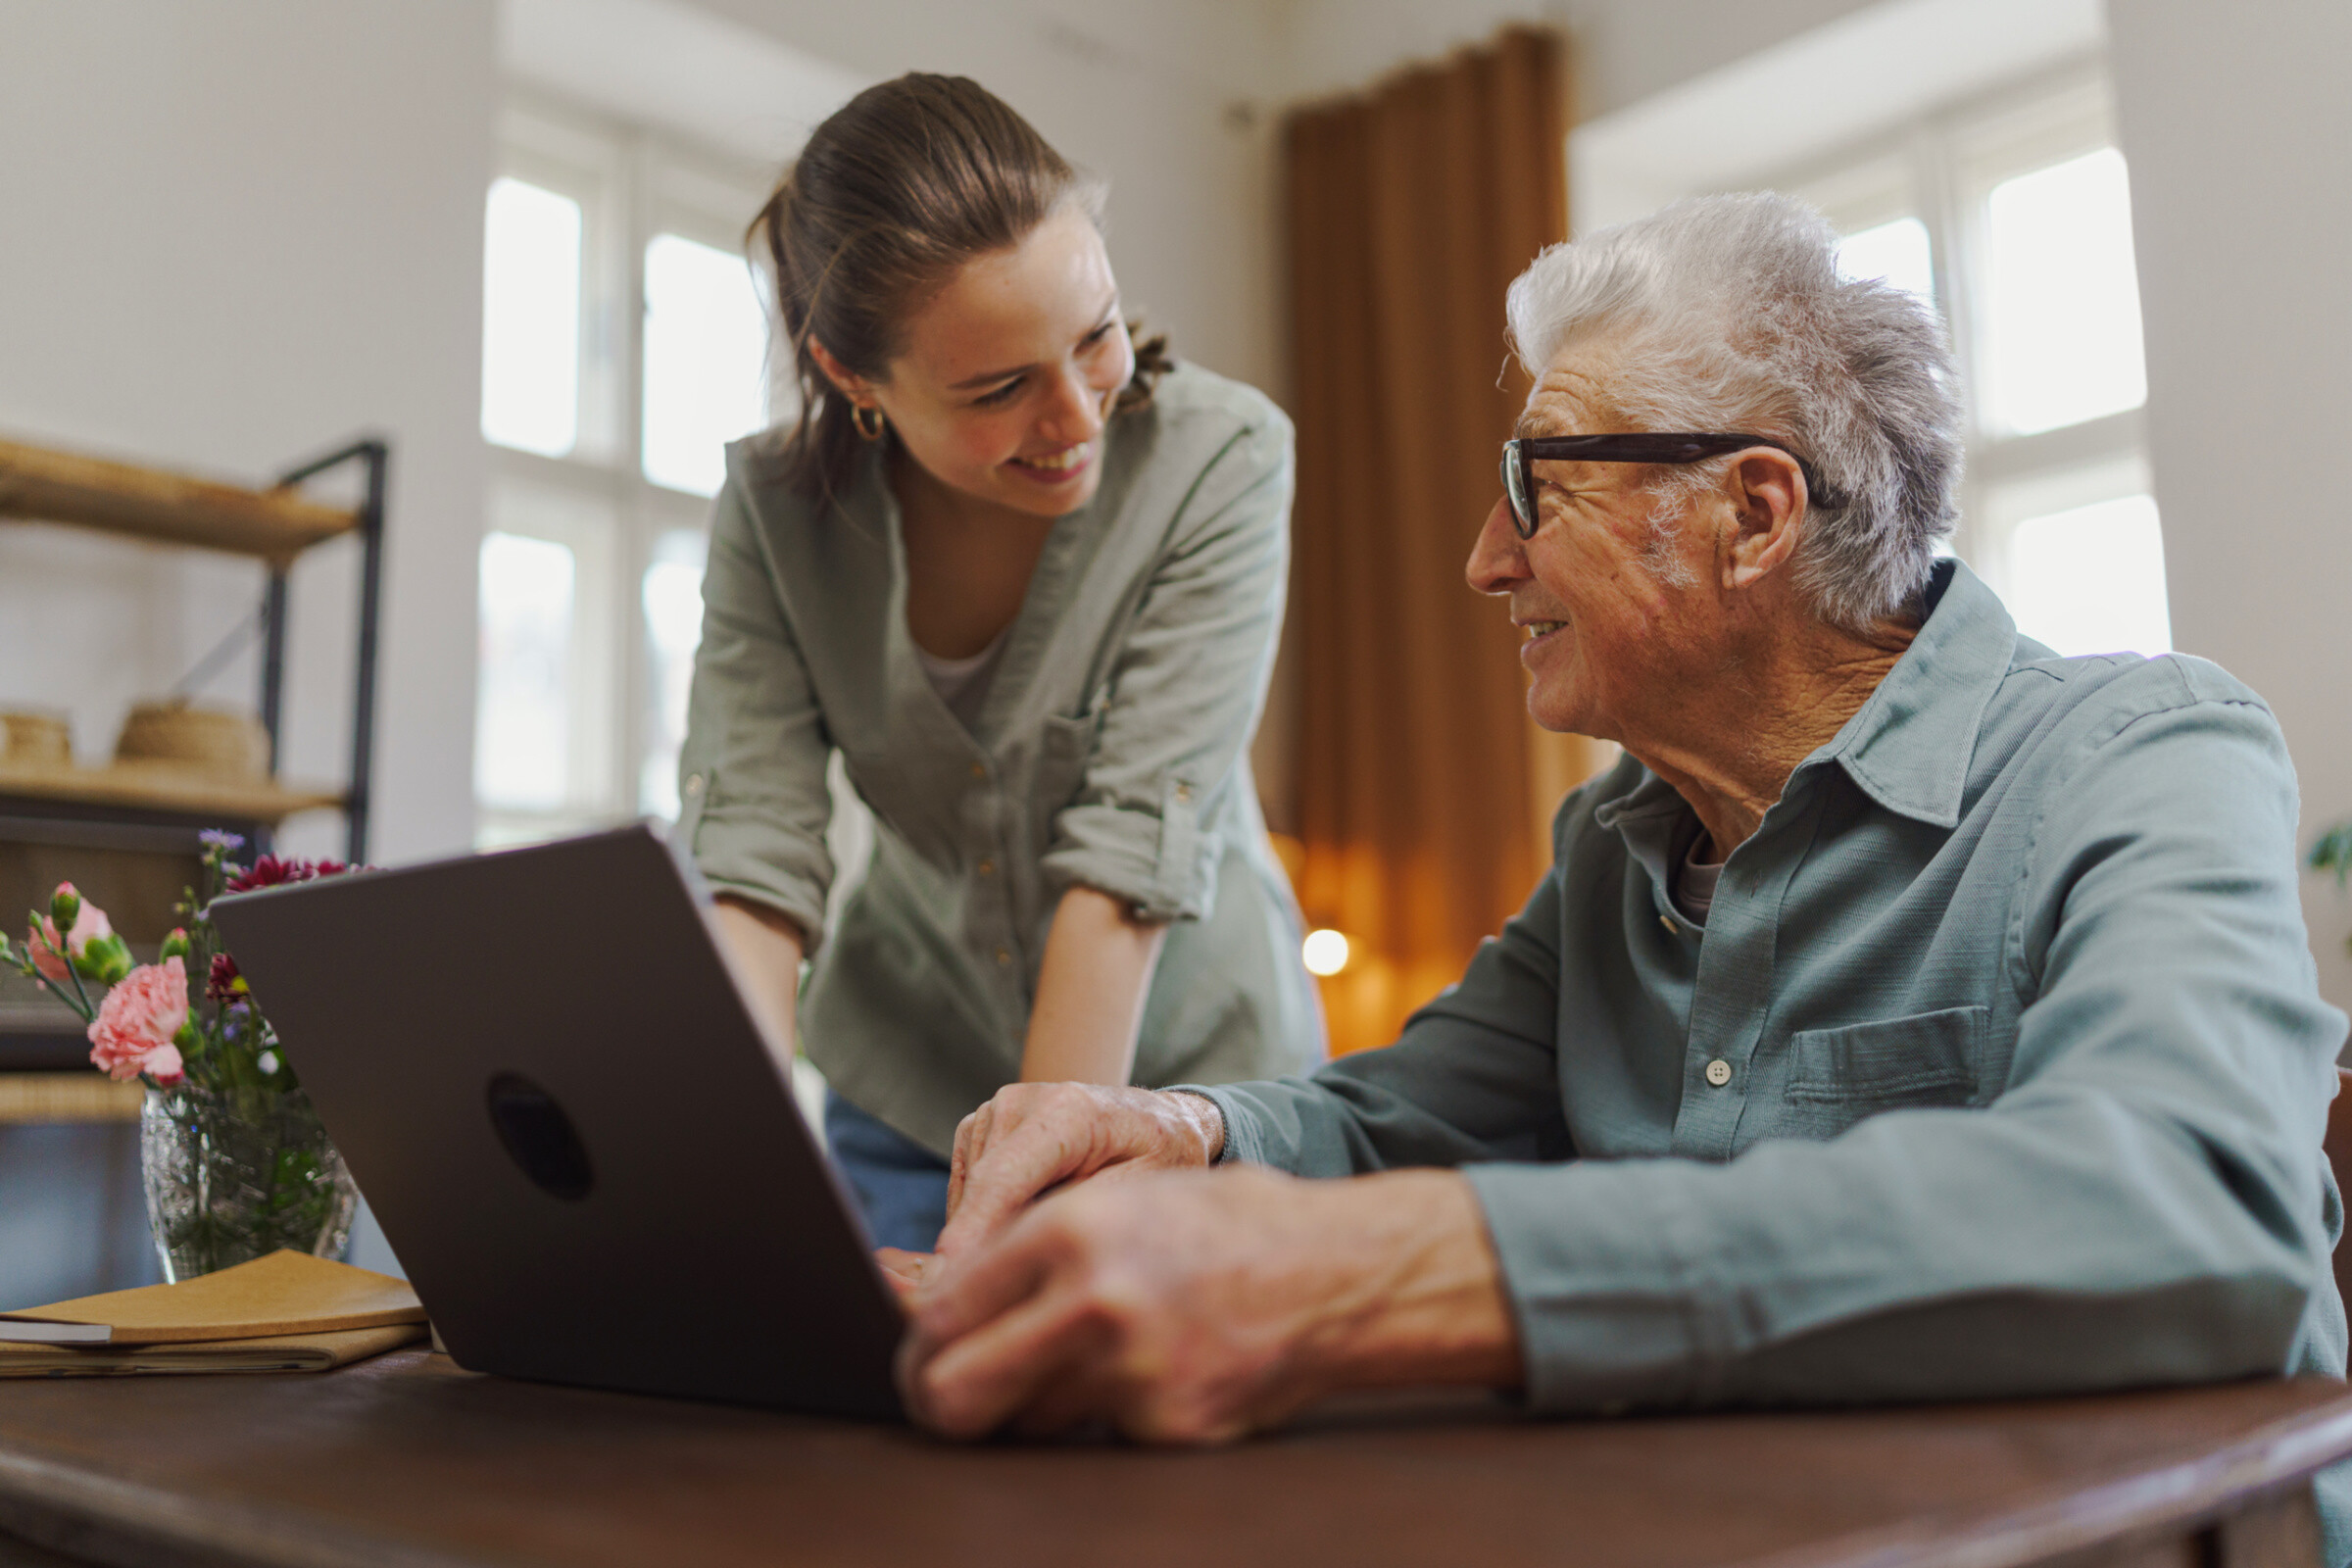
x,y
277,1352
284,1294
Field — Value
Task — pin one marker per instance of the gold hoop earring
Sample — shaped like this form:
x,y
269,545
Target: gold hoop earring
x,y
857,416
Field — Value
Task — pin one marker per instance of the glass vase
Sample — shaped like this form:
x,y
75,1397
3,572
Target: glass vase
x,y
234,1174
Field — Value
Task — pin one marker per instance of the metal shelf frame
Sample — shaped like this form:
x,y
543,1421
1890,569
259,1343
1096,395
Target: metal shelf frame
x,y
375,457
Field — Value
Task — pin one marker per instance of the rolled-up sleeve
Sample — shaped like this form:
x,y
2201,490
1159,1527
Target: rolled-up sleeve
x,y
752,799
1184,690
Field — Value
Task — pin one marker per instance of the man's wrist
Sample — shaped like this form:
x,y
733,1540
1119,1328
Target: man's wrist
x,y
1206,1117
1443,1314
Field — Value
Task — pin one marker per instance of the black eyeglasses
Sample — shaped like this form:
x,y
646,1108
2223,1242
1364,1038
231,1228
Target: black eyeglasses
x,y
1520,455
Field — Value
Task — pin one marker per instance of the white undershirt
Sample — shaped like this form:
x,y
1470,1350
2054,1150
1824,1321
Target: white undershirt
x,y
962,683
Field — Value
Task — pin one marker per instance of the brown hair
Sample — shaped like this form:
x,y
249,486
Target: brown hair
x,y
895,191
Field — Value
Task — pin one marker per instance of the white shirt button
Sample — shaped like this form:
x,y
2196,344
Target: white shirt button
x,y
1719,1072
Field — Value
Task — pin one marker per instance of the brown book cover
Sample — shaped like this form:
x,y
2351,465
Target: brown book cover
x,y
285,1292
276,1352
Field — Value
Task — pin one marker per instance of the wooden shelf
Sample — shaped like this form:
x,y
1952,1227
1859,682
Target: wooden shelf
x,y
44,487
33,1099
161,787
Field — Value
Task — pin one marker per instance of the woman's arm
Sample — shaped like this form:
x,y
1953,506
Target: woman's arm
x,y
1090,991
765,946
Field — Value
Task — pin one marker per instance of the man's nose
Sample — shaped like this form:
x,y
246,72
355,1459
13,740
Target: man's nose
x,y
1498,560
1076,412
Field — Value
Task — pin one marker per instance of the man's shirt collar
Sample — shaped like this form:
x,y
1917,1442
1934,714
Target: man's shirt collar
x,y
1909,747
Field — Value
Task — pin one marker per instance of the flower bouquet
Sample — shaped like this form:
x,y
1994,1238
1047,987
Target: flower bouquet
x,y
237,1164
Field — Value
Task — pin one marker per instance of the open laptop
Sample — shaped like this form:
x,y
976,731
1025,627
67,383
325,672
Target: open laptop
x,y
576,1136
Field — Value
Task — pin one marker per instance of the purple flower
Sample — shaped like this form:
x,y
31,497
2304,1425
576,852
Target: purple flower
x,y
221,839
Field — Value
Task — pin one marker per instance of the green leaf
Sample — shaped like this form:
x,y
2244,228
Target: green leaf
x,y
2332,852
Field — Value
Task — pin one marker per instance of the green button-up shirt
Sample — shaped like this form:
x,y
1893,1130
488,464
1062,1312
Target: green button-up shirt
x,y
1110,752
1998,1066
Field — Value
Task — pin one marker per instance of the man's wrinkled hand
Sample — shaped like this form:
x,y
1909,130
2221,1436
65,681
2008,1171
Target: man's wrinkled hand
x,y
1196,1306
1032,1138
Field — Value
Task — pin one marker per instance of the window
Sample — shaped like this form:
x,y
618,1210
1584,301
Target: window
x,y
624,343
2014,215
531,318
2061,297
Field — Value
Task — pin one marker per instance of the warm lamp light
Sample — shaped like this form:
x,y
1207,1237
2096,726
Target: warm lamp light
x,y
1325,952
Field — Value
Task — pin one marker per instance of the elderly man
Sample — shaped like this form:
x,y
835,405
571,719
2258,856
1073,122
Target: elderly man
x,y
1911,1013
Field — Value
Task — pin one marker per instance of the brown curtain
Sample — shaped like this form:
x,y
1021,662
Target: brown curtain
x,y
1423,790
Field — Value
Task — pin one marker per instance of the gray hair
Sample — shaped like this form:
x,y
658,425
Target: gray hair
x,y
1727,312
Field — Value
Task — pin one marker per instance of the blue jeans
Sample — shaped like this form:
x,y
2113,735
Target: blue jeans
x,y
900,1186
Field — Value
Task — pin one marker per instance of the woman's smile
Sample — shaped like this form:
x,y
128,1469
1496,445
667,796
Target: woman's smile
x,y
1055,468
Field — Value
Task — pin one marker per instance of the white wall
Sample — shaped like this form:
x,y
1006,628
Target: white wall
x,y
231,232
1626,50
2236,123
1892,62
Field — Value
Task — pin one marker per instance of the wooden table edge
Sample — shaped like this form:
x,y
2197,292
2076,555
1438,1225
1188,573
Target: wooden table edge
x,y
2185,1496
69,1508
150,1525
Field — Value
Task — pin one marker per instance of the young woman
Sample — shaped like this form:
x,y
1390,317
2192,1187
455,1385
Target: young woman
x,y
1027,580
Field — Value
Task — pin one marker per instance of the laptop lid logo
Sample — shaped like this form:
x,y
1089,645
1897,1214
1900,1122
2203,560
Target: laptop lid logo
x,y
539,1137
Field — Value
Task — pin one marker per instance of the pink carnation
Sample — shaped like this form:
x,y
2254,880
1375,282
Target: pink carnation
x,y
49,950
47,955
132,1031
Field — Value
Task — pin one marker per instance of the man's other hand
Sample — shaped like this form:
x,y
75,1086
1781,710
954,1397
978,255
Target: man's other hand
x,y
1034,1137
1196,1307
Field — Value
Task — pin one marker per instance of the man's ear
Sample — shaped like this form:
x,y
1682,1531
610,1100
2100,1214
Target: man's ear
x,y
857,388
1767,494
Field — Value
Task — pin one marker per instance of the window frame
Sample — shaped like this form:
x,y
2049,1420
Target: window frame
x,y
1941,169
633,183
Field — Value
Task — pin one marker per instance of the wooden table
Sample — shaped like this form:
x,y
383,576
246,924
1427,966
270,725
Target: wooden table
x,y
406,1462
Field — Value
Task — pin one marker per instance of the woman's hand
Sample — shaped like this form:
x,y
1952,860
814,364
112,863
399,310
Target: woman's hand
x,y
1034,1137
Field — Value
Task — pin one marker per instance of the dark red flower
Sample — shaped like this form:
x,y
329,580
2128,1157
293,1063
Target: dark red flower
x,y
225,983
270,872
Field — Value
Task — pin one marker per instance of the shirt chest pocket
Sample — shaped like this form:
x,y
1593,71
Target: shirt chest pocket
x,y
1837,1077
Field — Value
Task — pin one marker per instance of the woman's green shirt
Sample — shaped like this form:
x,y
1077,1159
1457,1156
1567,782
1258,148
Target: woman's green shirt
x,y
1110,752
